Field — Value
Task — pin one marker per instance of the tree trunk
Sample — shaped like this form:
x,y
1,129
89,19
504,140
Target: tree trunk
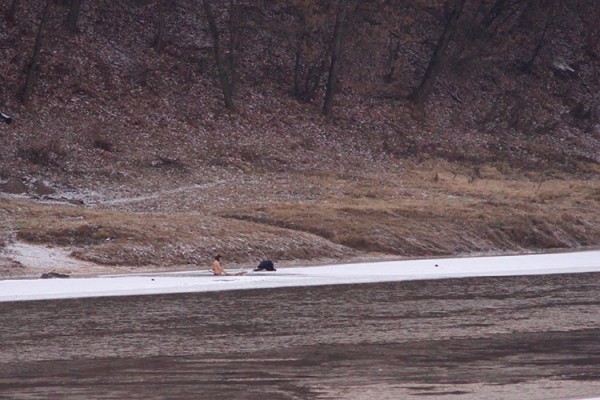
x,y
437,61
224,77
338,34
158,41
31,71
298,63
235,16
394,51
74,15
494,13
12,11
541,39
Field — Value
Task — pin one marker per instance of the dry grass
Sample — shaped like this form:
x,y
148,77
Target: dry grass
x,y
444,212
158,239
418,210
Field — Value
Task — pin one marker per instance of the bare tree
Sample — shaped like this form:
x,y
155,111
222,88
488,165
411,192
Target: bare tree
x,y
225,76
542,36
33,64
487,20
310,63
394,45
438,59
12,11
73,17
336,50
235,18
298,57
158,41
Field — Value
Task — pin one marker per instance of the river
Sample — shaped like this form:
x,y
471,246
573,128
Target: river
x,y
526,337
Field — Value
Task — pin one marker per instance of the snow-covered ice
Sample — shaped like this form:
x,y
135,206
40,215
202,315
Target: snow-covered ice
x,y
202,281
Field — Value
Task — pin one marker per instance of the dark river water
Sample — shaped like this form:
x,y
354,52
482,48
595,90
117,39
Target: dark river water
x,y
532,337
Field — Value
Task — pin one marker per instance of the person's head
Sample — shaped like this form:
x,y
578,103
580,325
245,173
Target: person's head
x,y
218,257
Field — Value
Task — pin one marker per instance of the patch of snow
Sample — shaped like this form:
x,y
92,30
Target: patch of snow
x,y
45,258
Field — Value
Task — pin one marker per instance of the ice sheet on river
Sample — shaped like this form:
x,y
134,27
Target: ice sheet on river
x,y
201,281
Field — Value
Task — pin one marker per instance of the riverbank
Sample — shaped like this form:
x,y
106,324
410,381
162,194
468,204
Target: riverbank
x,y
402,210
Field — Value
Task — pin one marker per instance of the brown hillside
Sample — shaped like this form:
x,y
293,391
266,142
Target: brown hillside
x,y
145,166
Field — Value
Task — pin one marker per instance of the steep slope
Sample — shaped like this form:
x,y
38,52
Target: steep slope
x,y
505,159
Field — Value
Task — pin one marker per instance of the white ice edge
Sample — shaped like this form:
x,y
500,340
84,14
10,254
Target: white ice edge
x,y
390,271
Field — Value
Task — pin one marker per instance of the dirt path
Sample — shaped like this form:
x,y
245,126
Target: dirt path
x,y
157,194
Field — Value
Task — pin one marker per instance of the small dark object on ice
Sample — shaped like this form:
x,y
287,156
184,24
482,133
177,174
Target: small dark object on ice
x,y
50,275
5,118
265,265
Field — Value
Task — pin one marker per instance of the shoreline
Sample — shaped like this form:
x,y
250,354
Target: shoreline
x,y
332,274
57,259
